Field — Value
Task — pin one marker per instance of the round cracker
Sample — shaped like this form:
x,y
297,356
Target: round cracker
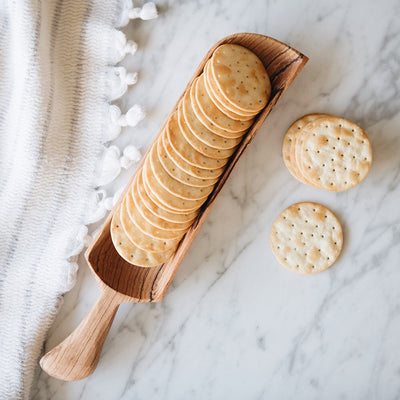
x,y
189,168
158,216
163,198
213,113
306,238
295,154
173,186
141,239
201,132
241,116
336,153
241,77
217,93
131,253
197,144
186,151
132,205
289,141
205,121
176,172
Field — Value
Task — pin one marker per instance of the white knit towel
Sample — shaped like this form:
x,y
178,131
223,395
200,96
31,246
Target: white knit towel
x,y
55,91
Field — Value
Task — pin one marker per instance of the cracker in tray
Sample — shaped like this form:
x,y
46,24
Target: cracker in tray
x,y
240,77
132,206
130,252
239,115
172,185
201,132
163,197
186,161
175,171
157,215
197,144
186,151
213,113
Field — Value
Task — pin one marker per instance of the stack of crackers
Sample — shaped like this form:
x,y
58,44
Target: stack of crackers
x,y
185,162
328,153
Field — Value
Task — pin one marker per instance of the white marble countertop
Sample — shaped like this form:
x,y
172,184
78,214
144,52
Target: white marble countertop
x,y
234,323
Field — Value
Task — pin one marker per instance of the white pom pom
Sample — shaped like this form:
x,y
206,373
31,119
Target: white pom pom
x,y
108,203
131,78
134,115
95,207
109,166
148,11
130,157
81,240
130,47
121,47
117,195
120,79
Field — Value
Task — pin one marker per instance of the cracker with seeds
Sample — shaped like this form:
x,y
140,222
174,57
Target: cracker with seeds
x,y
306,238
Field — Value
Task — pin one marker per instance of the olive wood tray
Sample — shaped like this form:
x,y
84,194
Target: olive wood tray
x,y
120,282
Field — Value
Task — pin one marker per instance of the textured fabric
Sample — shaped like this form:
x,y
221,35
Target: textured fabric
x,y
54,61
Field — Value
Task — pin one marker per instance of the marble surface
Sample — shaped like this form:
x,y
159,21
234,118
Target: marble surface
x,y
234,323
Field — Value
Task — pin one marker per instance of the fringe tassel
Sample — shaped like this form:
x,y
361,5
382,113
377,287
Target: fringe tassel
x,y
117,120
148,11
113,161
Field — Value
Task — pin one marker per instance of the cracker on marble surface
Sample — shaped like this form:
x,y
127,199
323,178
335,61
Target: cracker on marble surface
x,y
289,140
306,238
336,153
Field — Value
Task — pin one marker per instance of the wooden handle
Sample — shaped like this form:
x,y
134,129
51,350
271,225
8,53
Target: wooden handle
x,y
77,356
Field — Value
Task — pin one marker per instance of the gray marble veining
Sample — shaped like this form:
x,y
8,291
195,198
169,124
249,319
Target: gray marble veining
x,y
234,323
